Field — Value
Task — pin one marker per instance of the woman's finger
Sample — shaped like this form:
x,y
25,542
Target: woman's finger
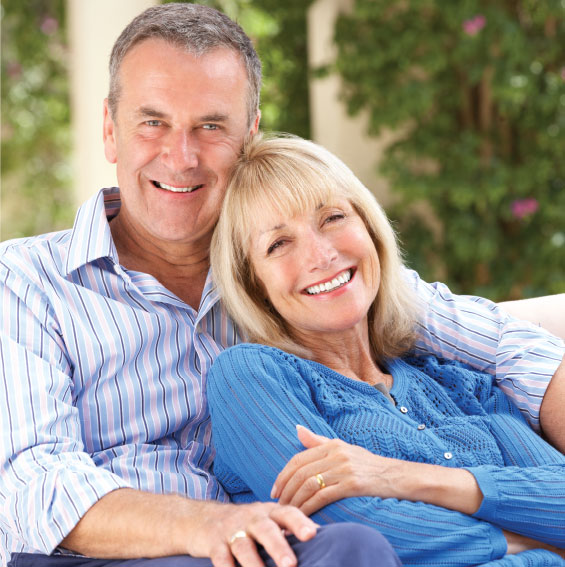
x,y
292,468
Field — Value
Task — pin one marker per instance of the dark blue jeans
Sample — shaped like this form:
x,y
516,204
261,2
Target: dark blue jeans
x,y
335,545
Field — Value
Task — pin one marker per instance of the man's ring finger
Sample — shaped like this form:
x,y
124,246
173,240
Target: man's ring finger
x,y
240,534
320,480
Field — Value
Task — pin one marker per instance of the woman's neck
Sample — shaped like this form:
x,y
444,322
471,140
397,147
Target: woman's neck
x,y
348,353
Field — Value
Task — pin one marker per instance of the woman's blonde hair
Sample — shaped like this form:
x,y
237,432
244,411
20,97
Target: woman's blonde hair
x,y
290,176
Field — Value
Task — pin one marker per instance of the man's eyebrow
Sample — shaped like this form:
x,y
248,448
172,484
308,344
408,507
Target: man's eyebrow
x,y
214,118
147,111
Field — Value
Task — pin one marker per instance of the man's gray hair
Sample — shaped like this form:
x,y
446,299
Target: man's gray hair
x,y
195,28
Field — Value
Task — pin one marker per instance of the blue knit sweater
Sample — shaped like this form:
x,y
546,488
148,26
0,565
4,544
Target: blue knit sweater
x,y
258,395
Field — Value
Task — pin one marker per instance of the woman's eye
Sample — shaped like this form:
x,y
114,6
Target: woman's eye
x,y
274,246
334,216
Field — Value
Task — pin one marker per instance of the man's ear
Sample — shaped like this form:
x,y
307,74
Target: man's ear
x,y
255,126
109,133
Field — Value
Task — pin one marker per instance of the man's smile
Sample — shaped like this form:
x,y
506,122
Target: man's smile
x,y
161,185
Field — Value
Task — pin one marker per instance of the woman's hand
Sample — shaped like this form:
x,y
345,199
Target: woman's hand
x,y
349,470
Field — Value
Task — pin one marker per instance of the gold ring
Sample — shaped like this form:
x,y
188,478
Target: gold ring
x,y
240,534
320,480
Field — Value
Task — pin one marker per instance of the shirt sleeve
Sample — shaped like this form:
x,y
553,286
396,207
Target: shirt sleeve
x,y
473,330
47,480
256,403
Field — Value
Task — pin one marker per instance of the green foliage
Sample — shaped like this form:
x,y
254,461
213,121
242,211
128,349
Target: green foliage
x,y
35,118
478,89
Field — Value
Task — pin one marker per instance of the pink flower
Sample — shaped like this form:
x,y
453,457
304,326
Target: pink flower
x,y
522,208
474,25
49,25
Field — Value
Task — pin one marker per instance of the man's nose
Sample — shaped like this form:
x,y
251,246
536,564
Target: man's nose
x,y
180,151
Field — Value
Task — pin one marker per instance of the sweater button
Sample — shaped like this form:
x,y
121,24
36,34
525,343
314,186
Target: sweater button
x,y
403,409
448,456
421,427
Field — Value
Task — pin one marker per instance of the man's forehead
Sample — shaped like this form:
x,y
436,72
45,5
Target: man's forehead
x,y
158,78
161,54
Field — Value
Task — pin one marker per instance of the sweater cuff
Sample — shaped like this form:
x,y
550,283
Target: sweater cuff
x,y
487,485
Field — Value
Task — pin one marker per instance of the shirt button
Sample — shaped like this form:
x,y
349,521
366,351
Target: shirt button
x,y
448,456
403,409
421,426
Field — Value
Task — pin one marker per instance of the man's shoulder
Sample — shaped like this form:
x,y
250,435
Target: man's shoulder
x,y
45,250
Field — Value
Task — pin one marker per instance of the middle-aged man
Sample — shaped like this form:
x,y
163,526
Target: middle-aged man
x,y
109,329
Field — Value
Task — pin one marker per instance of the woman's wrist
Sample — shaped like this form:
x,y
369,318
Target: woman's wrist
x,y
454,489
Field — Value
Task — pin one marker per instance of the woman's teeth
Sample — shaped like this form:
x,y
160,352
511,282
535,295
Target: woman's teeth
x,y
176,189
338,281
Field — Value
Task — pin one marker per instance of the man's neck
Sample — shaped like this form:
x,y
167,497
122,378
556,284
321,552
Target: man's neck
x,y
181,268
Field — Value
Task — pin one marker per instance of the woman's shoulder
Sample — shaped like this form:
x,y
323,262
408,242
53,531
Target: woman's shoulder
x,y
251,351
246,357
251,366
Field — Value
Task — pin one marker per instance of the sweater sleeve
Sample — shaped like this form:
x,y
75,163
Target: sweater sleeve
x,y
256,400
527,496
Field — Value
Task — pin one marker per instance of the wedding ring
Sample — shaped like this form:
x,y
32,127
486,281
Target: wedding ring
x,y
237,535
320,480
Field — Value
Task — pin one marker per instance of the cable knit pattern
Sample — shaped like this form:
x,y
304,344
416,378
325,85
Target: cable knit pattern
x,y
445,414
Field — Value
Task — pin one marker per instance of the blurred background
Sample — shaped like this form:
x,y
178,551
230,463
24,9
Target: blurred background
x,y
451,112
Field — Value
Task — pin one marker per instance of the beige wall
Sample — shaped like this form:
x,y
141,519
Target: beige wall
x,y
93,27
331,126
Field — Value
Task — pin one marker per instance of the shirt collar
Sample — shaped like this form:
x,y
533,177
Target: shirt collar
x,y
91,238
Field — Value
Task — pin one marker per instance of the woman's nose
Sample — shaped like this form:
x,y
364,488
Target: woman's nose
x,y
321,252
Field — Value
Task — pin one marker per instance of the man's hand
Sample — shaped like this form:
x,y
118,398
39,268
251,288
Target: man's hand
x,y
552,417
128,524
251,524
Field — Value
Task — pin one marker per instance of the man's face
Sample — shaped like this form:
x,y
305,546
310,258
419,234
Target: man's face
x,y
179,126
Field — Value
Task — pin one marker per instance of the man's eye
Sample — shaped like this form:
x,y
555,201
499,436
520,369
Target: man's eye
x,y
153,123
210,126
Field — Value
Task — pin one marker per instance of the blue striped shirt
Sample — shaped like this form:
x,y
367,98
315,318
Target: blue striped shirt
x,y
104,375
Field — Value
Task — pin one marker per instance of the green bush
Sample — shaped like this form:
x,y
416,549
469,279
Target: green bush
x,y
36,170
477,89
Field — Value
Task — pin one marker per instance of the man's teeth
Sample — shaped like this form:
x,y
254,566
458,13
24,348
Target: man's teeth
x,y
340,280
176,189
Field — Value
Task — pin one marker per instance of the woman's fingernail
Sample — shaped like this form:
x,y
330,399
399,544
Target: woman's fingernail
x,y
274,492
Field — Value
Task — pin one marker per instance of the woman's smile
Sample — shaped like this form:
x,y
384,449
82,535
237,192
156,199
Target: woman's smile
x,y
331,285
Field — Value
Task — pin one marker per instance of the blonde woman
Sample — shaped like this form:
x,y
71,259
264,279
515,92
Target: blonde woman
x,y
429,452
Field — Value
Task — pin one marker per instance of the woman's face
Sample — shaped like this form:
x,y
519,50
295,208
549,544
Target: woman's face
x,y
320,270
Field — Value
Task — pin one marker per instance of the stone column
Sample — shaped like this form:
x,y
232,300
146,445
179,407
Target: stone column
x,y
332,127
93,27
